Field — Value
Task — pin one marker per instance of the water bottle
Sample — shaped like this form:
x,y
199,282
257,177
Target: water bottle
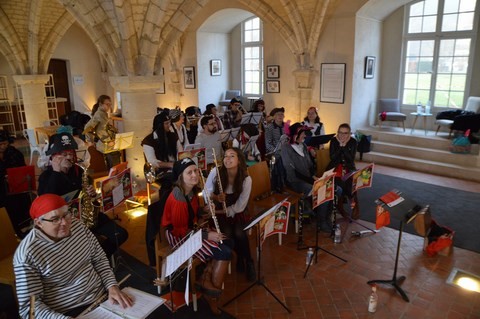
x,y
337,239
428,107
419,107
373,300
309,256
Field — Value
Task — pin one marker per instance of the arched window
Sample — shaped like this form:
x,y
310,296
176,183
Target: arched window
x,y
252,57
438,51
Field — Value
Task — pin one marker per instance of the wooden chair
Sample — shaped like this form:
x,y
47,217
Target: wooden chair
x,y
262,197
162,250
9,243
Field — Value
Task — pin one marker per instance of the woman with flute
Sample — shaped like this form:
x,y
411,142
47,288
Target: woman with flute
x,y
230,187
182,215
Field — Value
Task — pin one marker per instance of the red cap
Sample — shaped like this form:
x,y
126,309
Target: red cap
x,y
46,203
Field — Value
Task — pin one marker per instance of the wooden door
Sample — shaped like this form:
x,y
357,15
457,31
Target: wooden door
x,y
58,68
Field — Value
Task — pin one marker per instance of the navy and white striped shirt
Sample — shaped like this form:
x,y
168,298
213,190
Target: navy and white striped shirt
x,y
61,275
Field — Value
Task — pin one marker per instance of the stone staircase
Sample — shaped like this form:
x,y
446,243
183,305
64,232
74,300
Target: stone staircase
x,y
428,154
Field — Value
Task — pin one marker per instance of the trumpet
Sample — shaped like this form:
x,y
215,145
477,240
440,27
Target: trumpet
x,y
219,181
209,203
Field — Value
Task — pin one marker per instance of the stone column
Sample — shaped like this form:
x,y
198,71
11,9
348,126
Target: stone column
x,y
304,79
34,98
138,110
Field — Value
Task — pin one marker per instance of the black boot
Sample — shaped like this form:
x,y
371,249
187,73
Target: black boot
x,y
240,264
251,273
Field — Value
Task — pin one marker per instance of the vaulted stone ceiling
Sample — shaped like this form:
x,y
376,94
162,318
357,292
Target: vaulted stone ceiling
x,y
133,35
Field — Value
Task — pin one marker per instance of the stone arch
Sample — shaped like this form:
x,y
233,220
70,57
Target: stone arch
x,y
12,47
33,30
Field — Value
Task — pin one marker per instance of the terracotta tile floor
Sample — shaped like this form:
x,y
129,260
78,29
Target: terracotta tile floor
x,y
334,289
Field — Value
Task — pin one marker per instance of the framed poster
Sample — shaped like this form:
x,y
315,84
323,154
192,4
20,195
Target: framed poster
x,y
189,77
273,86
369,67
332,83
215,67
273,71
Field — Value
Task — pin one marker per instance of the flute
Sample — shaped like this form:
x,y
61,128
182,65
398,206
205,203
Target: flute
x,y
31,314
219,181
209,203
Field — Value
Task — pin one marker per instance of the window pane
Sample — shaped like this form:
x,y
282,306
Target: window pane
x,y
451,6
449,22
423,96
462,47
413,48
456,99
409,97
446,47
467,5
458,82
411,65
431,7
429,24
410,81
256,23
444,65
415,25
425,65
427,48
255,35
416,9
248,24
443,82
424,81
248,36
465,21
441,98
460,65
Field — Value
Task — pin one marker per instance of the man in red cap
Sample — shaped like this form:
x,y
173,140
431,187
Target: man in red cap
x,y
61,263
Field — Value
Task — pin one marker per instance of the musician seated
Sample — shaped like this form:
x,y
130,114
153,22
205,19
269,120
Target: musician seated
x,y
210,138
181,215
160,151
343,148
61,264
62,177
242,141
233,116
9,157
300,171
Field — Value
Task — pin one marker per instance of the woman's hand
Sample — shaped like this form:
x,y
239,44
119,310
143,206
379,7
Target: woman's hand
x,y
220,197
216,237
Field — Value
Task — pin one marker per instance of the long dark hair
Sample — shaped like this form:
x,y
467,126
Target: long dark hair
x,y
167,142
241,173
317,119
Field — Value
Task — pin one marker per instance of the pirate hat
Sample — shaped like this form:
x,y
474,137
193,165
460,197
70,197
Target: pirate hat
x,y
61,142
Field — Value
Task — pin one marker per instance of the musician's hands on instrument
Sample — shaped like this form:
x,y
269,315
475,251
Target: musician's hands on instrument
x,y
220,197
116,296
216,237
91,191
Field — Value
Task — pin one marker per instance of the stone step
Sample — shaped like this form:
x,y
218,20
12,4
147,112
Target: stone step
x,y
430,154
425,166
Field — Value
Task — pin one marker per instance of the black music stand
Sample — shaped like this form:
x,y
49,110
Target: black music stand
x,y
406,211
318,139
260,280
252,117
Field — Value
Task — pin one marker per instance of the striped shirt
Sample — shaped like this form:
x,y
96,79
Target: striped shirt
x,y
61,275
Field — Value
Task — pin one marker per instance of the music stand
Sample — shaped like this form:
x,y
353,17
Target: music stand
x,y
260,281
318,139
406,211
252,117
229,134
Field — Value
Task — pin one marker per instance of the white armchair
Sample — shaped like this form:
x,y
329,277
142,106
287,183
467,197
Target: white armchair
x,y
473,105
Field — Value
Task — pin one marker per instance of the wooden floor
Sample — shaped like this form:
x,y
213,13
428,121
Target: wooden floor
x,y
335,289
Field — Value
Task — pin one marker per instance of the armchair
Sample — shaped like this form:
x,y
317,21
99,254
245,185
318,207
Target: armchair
x,y
229,94
389,110
464,121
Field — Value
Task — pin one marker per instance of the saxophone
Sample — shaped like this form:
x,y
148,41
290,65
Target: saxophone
x,y
88,211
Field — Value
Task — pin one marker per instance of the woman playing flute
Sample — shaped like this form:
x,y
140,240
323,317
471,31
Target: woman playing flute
x,y
233,187
181,214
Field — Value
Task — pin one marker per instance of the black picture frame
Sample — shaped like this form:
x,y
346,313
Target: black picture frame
x,y
189,77
215,67
272,86
273,71
369,71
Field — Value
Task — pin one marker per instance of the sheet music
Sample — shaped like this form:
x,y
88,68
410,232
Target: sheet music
x,y
144,304
123,141
183,253
117,194
252,117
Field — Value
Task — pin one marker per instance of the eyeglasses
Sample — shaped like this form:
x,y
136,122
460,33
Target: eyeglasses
x,y
343,133
58,219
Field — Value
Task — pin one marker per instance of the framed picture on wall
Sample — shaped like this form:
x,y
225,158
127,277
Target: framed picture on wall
x,y
273,71
215,67
332,82
369,67
273,86
161,90
189,77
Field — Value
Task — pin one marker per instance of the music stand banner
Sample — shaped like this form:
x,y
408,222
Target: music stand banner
x,y
116,190
361,178
197,155
323,189
276,223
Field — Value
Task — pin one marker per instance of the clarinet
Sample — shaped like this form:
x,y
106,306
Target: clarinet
x,y
209,203
219,181
300,243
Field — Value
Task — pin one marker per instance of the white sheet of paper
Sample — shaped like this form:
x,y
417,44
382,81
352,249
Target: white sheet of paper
x,y
183,253
117,194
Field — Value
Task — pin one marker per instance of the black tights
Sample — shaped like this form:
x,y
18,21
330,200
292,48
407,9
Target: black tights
x,y
234,230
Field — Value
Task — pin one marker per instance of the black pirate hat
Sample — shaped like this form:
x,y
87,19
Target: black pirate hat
x,y
61,142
